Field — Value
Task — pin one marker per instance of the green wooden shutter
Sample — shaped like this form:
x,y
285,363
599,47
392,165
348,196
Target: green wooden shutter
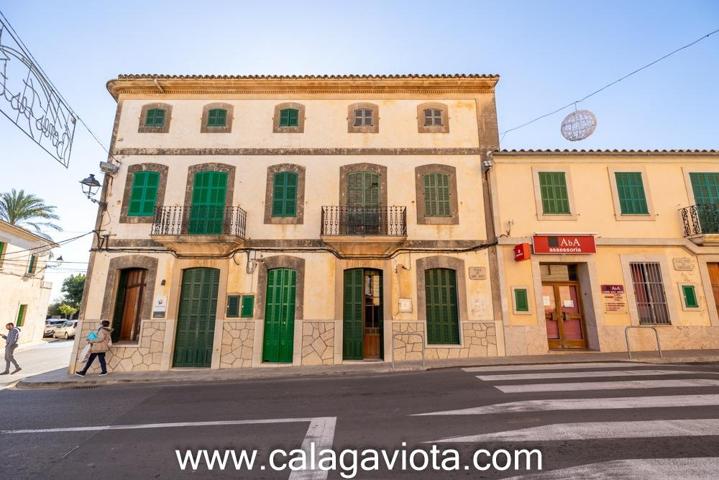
x,y
289,117
247,309
143,194
21,315
217,117
706,196
208,202
284,194
436,195
233,306
352,314
555,199
2,251
690,296
279,315
155,117
33,263
441,304
521,301
196,317
630,189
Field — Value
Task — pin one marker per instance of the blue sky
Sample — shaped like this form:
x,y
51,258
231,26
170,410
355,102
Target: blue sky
x,y
548,53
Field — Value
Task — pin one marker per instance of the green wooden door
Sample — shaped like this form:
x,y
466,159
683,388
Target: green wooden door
x,y
363,202
706,198
441,299
208,203
279,315
196,318
353,321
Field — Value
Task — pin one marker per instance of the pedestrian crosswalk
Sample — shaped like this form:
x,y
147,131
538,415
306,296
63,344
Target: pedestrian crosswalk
x,y
590,403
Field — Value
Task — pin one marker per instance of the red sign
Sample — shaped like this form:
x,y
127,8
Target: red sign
x,y
522,252
564,244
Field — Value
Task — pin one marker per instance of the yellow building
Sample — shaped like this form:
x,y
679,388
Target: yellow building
x,y
594,242
264,220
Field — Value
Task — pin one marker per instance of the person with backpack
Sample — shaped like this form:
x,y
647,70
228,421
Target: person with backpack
x,y
100,343
11,340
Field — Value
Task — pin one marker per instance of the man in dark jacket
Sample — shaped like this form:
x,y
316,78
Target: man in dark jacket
x,y
11,340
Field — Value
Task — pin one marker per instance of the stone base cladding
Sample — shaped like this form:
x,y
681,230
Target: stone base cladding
x,y
318,342
144,355
479,339
671,337
237,344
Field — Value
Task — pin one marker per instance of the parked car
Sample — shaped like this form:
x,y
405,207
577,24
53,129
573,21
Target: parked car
x,y
51,325
66,330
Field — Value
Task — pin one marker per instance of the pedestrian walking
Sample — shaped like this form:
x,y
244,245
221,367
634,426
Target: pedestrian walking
x,y
100,344
11,340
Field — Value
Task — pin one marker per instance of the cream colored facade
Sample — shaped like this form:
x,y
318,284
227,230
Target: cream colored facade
x,y
658,237
325,151
25,293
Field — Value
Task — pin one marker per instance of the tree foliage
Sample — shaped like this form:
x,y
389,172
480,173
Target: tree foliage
x,y
72,288
67,310
26,209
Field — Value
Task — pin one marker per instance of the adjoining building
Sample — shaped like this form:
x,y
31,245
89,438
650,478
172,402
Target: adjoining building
x,y
594,243
25,293
265,220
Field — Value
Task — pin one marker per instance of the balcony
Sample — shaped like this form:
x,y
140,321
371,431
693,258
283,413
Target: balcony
x,y
199,230
701,223
357,231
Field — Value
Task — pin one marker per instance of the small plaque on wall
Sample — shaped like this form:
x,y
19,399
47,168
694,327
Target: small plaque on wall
x,y
477,273
159,308
683,264
405,305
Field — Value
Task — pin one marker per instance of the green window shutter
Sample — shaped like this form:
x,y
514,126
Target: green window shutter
x,y
630,190
436,195
2,251
521,300
442,308
690,296
155,117
284,194
217,117
289,117
233,306
553,187
33,263
143,195
248,306
21,316
705,187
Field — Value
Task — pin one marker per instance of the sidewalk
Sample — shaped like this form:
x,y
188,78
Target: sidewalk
x,y
59,378
38,358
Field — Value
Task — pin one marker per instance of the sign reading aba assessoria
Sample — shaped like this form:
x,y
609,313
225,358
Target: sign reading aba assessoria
x,y
564,244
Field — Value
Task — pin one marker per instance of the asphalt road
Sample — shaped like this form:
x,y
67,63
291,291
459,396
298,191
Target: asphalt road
x,y
588,421
35,359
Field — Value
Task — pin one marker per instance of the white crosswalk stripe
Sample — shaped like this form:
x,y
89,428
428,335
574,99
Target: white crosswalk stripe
x,y
554,366
549,375
611,385
587,404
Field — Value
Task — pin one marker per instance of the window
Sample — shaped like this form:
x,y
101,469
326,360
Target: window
x,y
240,306
689,296
155,118
705,187
217,117
363,117
22,311
2,252
289,117
32,265
630,190
436,195
442,306
143,196
284,194
432,117
521,300
649,293
128,304
553,189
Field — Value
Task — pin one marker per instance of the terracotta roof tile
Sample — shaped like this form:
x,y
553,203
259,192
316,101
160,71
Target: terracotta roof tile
x,y
609,152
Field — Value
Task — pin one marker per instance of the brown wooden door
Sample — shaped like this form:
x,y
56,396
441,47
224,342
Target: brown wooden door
x,y
714,279
126,321
563,315
372,338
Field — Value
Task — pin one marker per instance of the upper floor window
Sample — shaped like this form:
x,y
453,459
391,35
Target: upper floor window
x,y
436,195
432,118
32,265
284,194
289,118
555,196
155,118
217,118
2,252
436,189
143,196
363,118
630,190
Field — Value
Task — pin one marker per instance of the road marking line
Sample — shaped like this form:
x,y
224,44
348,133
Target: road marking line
x,y
321,432
586,404
699,468
610,373
616,385
598,430
96,428
553,366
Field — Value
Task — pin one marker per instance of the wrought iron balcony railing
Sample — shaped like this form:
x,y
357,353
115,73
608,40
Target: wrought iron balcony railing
x,y
344,220
199,220
700,219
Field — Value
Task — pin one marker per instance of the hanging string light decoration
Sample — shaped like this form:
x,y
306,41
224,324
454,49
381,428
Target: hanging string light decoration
x,y
578,125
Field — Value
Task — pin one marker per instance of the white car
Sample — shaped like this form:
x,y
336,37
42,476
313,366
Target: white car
x,y
66,330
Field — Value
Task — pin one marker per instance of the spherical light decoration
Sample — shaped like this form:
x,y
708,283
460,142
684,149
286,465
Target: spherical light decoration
x,y
578,125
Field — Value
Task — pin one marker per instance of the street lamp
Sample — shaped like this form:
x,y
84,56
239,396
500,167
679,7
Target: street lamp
x,y
90,185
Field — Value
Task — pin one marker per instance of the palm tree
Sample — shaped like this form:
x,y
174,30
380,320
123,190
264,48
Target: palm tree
x,y
20,208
